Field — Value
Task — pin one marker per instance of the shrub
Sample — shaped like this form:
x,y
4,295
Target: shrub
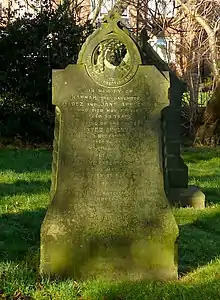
x,y
30,47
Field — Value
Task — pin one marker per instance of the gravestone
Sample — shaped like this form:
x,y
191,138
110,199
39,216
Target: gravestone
x,y
109,217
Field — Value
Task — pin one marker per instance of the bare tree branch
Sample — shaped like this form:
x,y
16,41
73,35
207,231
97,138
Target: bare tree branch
x,y
210,33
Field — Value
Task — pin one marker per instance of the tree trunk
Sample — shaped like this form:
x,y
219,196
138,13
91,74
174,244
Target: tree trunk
x,y
193,86
208,126
206,129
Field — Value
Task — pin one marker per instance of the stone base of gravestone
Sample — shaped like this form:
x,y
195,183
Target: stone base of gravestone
x,y
187,197
67,251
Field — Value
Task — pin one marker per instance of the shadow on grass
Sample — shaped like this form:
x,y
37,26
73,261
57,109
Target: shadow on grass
x,y
20,235
199,243
25,160
194,155
23,187
212,195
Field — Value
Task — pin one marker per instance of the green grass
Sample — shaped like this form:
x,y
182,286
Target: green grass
x,y
24,196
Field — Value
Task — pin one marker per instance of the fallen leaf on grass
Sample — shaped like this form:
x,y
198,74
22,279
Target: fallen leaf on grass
x,y
19,296
39,286
2,295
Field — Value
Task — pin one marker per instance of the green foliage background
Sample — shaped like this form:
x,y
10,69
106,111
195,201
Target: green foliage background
x,y
30,47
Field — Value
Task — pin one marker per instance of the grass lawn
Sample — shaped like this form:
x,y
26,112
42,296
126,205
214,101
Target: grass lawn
x,y
24,196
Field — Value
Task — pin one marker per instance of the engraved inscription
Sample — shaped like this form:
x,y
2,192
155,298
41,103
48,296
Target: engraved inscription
x,y
109,117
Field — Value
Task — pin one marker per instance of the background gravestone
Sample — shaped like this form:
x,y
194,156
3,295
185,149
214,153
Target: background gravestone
x,y
109,217
175,170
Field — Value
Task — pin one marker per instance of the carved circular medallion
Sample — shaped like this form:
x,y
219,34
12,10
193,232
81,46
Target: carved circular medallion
x,y
112,63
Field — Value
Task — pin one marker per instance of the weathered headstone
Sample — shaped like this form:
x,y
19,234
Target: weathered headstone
x,y
109,217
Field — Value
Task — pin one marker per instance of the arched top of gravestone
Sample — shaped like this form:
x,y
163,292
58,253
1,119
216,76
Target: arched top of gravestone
x,y
110,55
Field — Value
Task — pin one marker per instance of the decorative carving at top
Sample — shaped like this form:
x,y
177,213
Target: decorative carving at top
x,y
110,55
